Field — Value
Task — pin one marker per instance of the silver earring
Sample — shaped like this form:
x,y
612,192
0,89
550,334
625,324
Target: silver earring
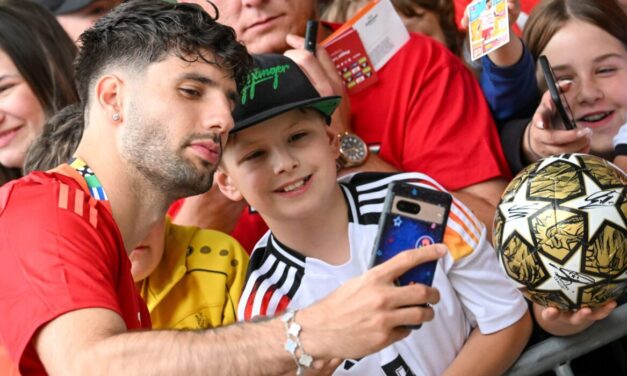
x,y
116,117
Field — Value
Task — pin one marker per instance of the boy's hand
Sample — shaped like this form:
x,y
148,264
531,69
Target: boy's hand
x,y
513,8
542,138
322,73
370,312
563,323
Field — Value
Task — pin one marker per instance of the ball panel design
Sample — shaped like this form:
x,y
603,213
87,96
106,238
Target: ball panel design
x,y
603,256
515,184
602,171
557,181
497,232
558,233
597,295
554,298
522,263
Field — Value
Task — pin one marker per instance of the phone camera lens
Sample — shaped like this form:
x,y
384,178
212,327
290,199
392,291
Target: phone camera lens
x,y
408,207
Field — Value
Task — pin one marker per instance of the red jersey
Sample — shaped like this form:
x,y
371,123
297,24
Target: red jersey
x,y
60,251
429,115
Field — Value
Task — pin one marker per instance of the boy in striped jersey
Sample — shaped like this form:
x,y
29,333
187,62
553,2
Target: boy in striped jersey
x,y
281,158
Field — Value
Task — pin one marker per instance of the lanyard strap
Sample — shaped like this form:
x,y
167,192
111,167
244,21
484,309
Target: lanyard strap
x,y
95,188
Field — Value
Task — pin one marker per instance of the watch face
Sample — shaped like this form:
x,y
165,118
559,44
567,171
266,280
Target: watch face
x,y
353,148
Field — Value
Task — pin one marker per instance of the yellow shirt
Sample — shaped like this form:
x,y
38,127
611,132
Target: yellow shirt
x,y
198,282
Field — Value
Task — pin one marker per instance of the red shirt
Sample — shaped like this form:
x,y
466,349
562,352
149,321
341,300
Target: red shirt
x,y
429,115
60,250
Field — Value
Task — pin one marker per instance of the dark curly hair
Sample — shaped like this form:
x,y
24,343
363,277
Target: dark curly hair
x,y
444,9
58,140
140,32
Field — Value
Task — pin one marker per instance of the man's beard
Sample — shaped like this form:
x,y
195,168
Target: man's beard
x,y
146,149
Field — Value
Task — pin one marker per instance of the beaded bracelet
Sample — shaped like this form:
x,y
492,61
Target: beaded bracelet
x,y
531,151
292,344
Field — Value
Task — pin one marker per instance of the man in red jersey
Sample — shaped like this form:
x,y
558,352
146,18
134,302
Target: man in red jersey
x,y
157,82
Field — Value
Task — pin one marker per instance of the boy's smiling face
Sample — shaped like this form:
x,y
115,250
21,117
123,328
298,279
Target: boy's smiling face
x,y
284,167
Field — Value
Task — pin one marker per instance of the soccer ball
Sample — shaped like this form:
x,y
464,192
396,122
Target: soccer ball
x,y
560,231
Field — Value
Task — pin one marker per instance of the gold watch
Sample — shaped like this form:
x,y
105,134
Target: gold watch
x,y
353,150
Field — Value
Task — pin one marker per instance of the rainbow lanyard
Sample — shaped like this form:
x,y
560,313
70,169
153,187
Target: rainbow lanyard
x,y
95,188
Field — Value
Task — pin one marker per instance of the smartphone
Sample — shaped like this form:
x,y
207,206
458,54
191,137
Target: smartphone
x,y
412,217
557,96
311,36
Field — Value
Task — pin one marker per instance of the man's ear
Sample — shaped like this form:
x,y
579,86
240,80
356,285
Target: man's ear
x,y
334,142
225,184
110,94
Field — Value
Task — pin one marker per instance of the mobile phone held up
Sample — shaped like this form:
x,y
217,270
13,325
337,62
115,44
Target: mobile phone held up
x,y
412,217
557,96
311,36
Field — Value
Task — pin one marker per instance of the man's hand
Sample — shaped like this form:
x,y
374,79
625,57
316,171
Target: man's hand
x,y
322,73
370,312
543,138
563,323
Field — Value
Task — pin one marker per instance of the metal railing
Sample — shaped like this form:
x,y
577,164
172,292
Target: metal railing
x,y
555,353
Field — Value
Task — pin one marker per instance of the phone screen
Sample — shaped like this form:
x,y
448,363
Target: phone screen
x,y
557,96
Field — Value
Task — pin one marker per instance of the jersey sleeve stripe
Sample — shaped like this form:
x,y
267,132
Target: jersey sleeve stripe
x,y
372,208
458,246
63,195
471,218
79,196
93,216
383,183
351,203
287,255
376,195
463,227
264,291
458,211
455,226
245,305
282,293
283,303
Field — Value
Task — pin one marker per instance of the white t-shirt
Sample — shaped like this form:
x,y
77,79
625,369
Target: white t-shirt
x,y
473,289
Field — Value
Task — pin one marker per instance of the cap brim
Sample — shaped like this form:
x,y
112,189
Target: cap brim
x,y
324,105
72,6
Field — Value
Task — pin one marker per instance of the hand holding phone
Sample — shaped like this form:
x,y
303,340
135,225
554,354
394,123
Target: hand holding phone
x,y
413,217
563,109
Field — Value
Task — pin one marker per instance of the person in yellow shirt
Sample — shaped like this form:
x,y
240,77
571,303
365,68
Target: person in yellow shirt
x,y
190,278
